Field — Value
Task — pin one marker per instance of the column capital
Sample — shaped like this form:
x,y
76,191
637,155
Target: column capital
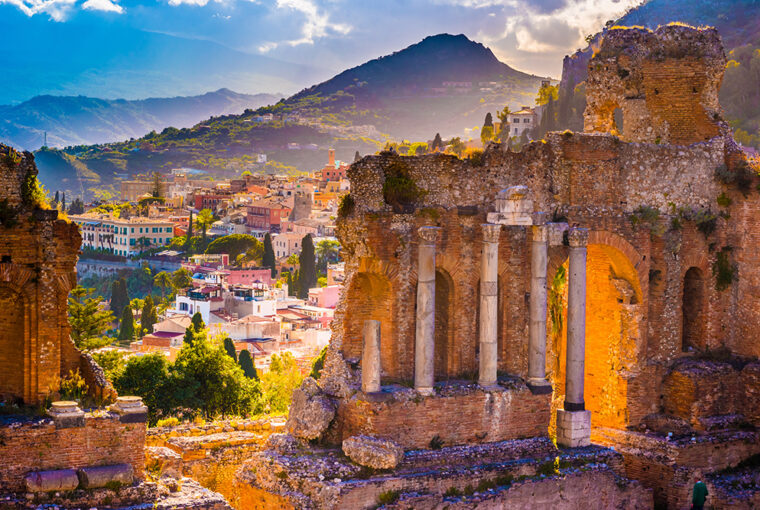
x,y
428,235
540,233
577,237
491,232
540,218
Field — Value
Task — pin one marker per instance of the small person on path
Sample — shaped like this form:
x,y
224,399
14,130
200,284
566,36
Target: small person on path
x,y
699,495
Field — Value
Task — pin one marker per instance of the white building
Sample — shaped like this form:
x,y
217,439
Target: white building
x,y
522,120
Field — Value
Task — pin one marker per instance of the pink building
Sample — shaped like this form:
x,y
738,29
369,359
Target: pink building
x,y
325,297
248,276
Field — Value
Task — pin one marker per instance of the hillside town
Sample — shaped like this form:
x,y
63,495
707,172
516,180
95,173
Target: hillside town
x,y
267,218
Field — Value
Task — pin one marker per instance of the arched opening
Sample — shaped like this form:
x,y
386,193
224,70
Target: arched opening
x,y
614,314
370,298
692,336
444,313
12,335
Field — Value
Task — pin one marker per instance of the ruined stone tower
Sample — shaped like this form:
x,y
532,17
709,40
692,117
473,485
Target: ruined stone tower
x,y
38,255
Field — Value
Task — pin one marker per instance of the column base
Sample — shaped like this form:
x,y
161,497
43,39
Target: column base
x,y
539,386
426,392
573,428
489,385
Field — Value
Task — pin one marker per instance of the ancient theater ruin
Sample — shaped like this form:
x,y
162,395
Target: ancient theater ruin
x,y
588,289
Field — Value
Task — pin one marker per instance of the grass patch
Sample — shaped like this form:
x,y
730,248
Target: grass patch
x,y
388,497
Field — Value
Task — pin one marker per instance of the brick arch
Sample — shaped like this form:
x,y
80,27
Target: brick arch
x,y
16,351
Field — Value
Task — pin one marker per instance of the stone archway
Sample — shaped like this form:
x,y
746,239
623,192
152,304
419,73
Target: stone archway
x,y
614,317
12,338
692,308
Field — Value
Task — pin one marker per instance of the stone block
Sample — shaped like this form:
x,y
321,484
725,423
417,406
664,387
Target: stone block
x,y
102,476
130,410
165,461
573,428
311,411
373,452
50,481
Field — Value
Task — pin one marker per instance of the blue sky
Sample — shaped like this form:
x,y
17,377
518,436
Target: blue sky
x,y
325,35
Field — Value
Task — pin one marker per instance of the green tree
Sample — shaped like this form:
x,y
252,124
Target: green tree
x,y
112,362
486,132
163,281
88,320
181,278
76,207
204,220
307,267
156,191
328,251
246,363
119,296
149,315
197,322
268,259
229,346
147,377
220,384
279,382
546,93
318,364
233,245
189,235
456,146
127,331
290,284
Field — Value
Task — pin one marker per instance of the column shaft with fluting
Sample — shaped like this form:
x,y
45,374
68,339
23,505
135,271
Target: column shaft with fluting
x,y
576,320
489,273
371,357
537,328
424,343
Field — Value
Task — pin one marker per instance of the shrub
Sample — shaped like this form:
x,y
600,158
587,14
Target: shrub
x,y
723,269
549,468
741,176
399,189
724,200
388,497
73,386
647,216
33,192
436,443
706,221
346,206
168,422
318,364
452,492
475,156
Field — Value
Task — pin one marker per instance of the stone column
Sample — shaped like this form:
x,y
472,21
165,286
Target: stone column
x,y
489,274
537,333
371,357
424,343
574,422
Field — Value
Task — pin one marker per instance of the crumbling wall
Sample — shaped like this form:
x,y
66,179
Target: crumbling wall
x,y
665,82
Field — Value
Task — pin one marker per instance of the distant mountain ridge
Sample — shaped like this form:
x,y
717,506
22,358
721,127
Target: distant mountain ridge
x,y
440,84
80,120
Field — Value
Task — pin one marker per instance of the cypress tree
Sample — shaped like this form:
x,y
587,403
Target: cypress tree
x,y
56,199
307,276
189,234
63,201
127,331
189,337
437,142
197,322
357,157
246,363
488,120
229,346
290,284
149,315
268,259
119,296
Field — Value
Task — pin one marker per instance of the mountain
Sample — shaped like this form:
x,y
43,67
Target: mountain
x,y
112,60
737,21
442,84
79,120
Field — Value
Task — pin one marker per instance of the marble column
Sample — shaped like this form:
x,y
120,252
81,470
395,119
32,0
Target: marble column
x,y
371,357
489,274
537,331
424,343
574,422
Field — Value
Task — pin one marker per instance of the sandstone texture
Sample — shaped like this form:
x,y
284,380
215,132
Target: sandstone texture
x,y
373,452
311,411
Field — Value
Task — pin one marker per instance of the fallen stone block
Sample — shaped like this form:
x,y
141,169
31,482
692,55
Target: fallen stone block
x,y
163,461
102,476
49,481
373,452
311,411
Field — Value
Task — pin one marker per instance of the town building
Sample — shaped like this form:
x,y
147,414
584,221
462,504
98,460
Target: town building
x,y
123,236
522,121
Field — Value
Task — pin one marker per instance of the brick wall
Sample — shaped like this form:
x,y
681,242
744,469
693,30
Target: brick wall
x,y
38,445
471,416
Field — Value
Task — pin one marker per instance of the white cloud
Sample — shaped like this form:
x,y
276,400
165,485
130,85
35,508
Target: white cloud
x,y
103,5
316,25
58,10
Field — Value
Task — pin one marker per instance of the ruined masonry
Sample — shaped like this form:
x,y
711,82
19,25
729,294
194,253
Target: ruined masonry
x,y
587,289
